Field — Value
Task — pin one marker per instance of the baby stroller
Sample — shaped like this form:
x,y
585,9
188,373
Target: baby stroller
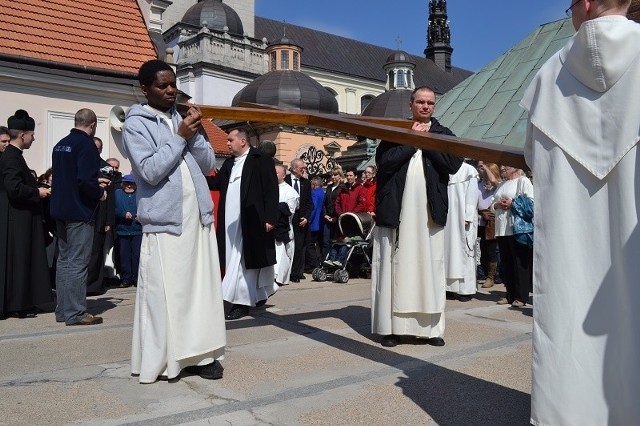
x,y
356,229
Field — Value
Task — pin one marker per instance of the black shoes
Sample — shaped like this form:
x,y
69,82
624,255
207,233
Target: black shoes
x,y
392,340
389,341
261,303
435,341
211,371
297,278
237,312
464,298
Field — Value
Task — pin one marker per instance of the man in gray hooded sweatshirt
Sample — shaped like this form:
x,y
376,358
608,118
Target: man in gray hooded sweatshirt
x,y
179,315
582,146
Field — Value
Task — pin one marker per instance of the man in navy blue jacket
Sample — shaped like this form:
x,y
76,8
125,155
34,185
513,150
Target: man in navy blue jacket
x,y
75,194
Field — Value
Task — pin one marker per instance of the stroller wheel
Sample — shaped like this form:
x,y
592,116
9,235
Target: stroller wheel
x,y
341,276
319,274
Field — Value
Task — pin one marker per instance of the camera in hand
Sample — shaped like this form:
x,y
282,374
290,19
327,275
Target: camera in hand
x,y
110,173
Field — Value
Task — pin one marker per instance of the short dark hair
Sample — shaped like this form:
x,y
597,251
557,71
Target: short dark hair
x,y
148,70
268,147
85,117
242,133
420,89
4,131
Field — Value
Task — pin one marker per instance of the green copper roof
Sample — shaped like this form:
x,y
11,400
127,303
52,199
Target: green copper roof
x,y
485,105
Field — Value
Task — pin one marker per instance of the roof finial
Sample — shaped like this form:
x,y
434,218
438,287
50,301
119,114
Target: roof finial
x,y
399,42
284,28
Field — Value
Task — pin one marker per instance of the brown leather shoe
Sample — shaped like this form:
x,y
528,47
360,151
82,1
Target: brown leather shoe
x,y
88,319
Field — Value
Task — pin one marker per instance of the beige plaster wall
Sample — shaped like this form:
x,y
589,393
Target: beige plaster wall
x,y
41,108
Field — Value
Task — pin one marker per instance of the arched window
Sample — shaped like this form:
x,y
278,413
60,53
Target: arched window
x,y
284,60
364,102
296,61
400,79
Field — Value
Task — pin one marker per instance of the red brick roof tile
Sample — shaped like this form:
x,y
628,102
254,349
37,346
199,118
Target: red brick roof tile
x,y
217,137
103,34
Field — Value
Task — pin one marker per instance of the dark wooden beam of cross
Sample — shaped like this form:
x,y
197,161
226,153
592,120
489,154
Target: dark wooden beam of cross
x,y
398,131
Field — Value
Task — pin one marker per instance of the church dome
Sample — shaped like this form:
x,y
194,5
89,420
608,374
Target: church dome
x,y
390,104
288,89
399,57
217,15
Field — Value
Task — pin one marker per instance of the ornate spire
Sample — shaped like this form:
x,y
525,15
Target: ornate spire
x,y
439,35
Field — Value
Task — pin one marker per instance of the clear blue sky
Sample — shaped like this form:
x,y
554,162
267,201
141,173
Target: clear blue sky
x,y
480,30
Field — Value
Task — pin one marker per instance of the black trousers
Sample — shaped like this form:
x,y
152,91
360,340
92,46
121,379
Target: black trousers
x,y
517,263
300,236
313,255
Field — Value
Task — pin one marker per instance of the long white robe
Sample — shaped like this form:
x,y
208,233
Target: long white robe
x,y
459,237
407,276
582,145
179,317
241,286
284,251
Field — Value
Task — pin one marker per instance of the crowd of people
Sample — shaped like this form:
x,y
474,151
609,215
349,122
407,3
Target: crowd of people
x,y
275,223
429,209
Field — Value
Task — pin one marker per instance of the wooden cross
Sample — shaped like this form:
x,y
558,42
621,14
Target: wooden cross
x,y
393,130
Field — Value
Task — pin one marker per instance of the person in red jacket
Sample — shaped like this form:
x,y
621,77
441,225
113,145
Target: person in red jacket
x,y
350,200
369,185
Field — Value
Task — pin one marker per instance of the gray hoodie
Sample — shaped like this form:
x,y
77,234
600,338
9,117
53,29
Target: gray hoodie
x,y
155,154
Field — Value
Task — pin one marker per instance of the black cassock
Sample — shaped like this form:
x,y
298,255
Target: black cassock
x,y
24,273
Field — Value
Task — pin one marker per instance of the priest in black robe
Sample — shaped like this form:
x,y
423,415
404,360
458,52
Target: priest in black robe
x,y
24,273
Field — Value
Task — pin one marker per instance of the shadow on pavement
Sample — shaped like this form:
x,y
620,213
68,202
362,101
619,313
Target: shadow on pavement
x,y
447,396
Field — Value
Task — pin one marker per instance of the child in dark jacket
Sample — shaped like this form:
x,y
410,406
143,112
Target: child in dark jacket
x,y
129,231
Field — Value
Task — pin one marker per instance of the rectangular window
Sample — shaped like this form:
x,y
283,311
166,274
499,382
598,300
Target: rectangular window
x,y
284,60
273,61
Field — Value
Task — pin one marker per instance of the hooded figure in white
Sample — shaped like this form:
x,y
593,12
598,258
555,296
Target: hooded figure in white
x,y
584,128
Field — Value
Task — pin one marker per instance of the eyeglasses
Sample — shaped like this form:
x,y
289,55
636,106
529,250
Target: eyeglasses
x,y
569,11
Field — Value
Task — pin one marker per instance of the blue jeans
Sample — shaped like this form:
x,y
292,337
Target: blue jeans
x,y
75,240
339,253
129,257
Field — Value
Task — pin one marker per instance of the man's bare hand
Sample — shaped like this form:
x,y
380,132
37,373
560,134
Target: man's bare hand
x,y
303,222
191,123
104,182
421,127
268,227
44,192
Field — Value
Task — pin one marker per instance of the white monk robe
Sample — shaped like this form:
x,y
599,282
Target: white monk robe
x,y
582,146
284,251
241,286
460,239
179,317
408,291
